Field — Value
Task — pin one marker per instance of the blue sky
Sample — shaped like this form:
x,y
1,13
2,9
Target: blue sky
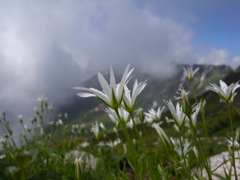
x,y
215,23
48,47
219,27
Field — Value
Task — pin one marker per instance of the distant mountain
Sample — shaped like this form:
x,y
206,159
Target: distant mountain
x,y
157,89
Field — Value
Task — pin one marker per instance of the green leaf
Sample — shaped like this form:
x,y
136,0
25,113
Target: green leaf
x,y
33,153
10,171
23,160
19,175
219,176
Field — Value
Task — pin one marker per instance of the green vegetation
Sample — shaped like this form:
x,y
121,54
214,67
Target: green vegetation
x,y
173,144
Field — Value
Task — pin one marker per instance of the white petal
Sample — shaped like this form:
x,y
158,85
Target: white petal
x,y
112,80
104,85
85,95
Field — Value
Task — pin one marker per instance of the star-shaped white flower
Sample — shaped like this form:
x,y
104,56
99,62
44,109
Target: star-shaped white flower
x,y
154,115
190,73
124,115
230,142
129,100
163,136
113,143
112,94
178,115
95,129
226,93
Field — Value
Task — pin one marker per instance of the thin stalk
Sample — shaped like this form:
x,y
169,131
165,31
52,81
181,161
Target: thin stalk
x,y
133,152
184,157
235,108
135,126
233,140
192,89
202,115
199,145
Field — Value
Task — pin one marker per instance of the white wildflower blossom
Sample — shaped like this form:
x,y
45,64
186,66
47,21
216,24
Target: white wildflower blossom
x,y
79,163
195,151
102,126
42,99
189,73
59,122
20,118
164,138
234,142
84,144
113,143
112,94
27,128
153,115
124,115
129,100
178,115
183,152
95,129
183,94
226,93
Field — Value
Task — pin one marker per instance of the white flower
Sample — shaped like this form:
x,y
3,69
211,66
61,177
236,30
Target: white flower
x,y
84,144
154,115
182,153
164,138
230,142
194,115
183,94
79,163
114,143
195,151
102,126
95,129
3,156
129,100
27,128
112,94
20,117
59,122
178,115
3,139
124,115
226,93
190,73
129,124
42,99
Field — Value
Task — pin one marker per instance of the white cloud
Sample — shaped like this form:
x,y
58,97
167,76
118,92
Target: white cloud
x,y
219,57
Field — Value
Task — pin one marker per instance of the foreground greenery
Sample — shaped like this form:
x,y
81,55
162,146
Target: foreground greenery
x,y
142,145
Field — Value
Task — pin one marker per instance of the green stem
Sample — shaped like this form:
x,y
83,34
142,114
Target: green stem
x,y
133,154
184,157
201,151
236,109
233,140
192,89
134,124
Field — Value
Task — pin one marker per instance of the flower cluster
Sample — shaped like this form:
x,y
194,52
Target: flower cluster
x,y
119,99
